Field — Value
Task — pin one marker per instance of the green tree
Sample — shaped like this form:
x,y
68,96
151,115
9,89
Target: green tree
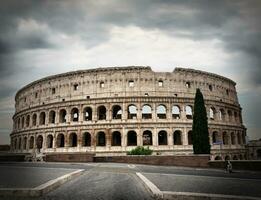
x,y
200,136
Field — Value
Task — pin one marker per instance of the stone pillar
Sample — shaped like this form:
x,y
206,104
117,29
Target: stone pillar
x,y
123,139
93,139
169,112
185,136
79,139
139,112
170,138
108,136
155,141
183,113
57,116
139,138
46,118
154,112
124,111
54,141
94,114
68,116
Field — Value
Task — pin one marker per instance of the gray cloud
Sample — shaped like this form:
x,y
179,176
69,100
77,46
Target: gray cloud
x,y
27,25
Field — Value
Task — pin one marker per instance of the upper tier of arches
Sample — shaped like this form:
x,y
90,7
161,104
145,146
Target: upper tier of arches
x,y
125,82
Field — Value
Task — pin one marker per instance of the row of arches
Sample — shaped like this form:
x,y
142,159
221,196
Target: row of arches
x,y
232,157
100,139
102,114
227,138
224,115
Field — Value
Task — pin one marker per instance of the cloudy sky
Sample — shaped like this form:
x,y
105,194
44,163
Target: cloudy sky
x,y
40,38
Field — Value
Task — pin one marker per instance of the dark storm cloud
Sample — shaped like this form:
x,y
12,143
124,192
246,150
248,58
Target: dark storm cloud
x,y
233,22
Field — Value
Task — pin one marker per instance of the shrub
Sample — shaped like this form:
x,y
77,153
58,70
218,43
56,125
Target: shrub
x,y
140,151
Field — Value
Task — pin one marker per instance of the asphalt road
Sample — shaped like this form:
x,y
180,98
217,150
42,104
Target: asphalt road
x,y
119,181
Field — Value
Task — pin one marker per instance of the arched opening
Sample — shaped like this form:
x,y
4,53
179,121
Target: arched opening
x,y
31,142
75,115
87,114
86,140
116,112
229,112
15,143
227,157
132,138
215,138
101,111
177,138
190,142
189,113
50,141
62,116
163,138
225,138
101,140
27,121
236,116
73,140
39,142
147,137
146,112
132,112
52,117
175,112
212,112
25,143
42,118
60,140
240,157
34,119
161,112
235,157
218,158
116,138
258,154
233,138
20,143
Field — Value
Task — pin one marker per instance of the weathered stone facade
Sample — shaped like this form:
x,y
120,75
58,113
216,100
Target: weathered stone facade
x,y
108,111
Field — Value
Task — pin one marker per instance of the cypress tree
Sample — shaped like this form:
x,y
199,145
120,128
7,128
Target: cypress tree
x,y
200,136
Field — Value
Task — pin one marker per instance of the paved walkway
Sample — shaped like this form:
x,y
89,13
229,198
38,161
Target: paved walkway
x,y
111,181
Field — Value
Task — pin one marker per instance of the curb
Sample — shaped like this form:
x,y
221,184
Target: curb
x,y
156,193
204,196
169,195
41,189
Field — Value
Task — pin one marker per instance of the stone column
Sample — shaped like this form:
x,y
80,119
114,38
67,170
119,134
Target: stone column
x,y
155,141
124,111
139,138
170,138
185,136
68,116
183,113
154,112
123,139
94,113
56,116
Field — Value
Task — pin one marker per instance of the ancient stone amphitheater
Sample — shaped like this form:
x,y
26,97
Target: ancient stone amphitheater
x,y
109,111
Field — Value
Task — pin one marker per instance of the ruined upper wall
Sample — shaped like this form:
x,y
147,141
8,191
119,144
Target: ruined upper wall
x,y
112,82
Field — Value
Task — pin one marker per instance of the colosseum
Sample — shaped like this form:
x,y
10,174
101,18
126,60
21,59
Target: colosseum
x,y
109,111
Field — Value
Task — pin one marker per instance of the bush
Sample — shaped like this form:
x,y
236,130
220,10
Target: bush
x,y
140,151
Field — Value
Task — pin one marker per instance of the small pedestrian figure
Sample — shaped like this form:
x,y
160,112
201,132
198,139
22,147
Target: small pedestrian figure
x,y
229,167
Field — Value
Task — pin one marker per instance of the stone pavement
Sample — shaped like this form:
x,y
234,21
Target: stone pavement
x,y
111,181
